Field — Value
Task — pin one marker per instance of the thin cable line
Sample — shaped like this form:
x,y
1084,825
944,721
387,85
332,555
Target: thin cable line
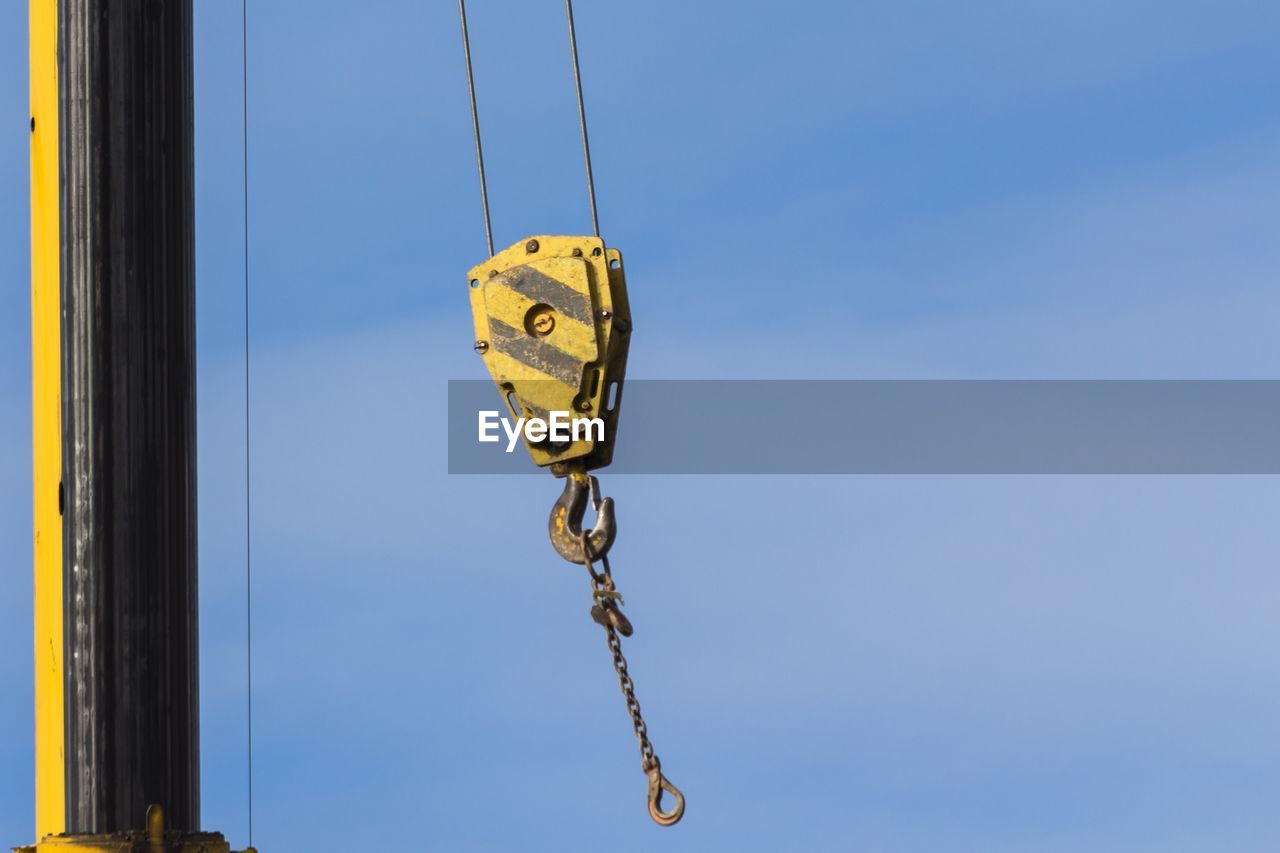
x,y
582,116
248,515
475,126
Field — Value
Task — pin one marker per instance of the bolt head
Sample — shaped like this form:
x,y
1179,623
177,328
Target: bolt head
x,y
481,347
531,246
606,314
540,320
583,406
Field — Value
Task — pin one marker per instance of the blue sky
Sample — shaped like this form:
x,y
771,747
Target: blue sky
x,y
887,189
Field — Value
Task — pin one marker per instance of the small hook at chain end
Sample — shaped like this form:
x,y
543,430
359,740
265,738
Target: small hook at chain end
x,y
658,785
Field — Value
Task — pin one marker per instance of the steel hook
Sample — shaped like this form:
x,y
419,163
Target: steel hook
x,y
565,524
658,784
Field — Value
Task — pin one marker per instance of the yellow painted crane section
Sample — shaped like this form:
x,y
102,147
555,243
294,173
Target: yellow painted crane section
x,y
46,371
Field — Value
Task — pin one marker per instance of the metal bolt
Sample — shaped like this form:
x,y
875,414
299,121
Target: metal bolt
x,y
531,246
577,253
481,347
583,406
606,314
544,323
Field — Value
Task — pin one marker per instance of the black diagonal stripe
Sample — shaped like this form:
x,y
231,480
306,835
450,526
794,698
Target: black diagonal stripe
x,y
536,353
541,287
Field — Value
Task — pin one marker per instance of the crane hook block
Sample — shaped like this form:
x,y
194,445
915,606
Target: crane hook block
x,y
553,326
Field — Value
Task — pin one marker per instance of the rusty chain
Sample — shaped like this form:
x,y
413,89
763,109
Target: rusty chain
x,y
606,613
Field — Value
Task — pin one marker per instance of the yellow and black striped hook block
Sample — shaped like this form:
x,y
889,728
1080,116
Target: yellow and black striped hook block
x,y
553,326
